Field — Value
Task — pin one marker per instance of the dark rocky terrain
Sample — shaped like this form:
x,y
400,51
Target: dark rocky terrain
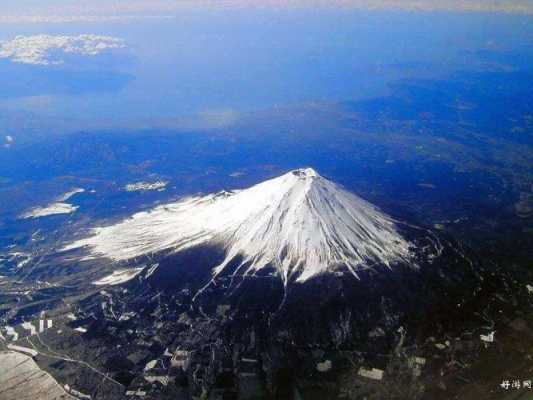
x,y
419,331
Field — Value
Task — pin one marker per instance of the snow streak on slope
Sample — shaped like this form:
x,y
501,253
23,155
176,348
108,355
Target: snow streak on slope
x,y
299,223
118,277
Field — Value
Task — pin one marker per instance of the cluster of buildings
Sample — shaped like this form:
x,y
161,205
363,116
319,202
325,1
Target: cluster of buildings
x,y
25,329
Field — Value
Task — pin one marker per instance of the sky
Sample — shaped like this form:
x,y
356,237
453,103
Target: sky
x,y
145,7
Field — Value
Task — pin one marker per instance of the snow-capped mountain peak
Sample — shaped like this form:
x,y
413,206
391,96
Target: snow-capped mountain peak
x,y
299,223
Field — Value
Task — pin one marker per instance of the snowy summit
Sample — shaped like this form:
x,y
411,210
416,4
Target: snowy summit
x,y
299,223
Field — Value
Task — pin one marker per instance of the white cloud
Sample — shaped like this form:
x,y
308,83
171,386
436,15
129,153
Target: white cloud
x,y
47,49
8,141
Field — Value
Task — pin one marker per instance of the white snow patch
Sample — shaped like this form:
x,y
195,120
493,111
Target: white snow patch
x,y
20,258
58,207
68,195
118,277
151,270
80,329
300,223
52,209
142,186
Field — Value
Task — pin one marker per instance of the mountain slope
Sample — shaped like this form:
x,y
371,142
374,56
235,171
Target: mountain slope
x,y
300,223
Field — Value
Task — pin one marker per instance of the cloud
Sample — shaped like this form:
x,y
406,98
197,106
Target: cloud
x,y
49,49
8,141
